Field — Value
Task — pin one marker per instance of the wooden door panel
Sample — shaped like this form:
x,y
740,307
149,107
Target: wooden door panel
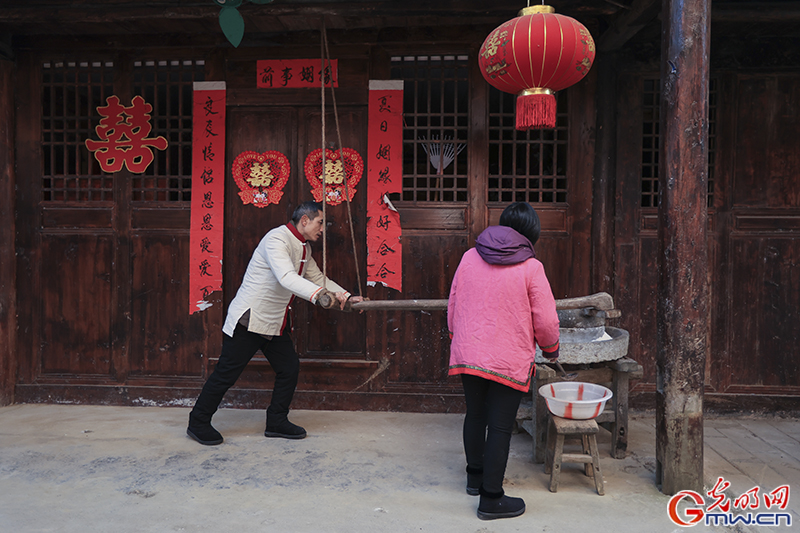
x,y
75,277
258,130
419,350
767,163
753,252
761,238
635,275
332,334
554,253
763,312
319,333
165,341
647,280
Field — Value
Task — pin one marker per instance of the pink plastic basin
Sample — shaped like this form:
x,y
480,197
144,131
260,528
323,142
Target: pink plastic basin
x,y
575,399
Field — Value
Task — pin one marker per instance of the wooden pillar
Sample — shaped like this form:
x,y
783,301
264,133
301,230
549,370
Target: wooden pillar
x,y
604,182
8,260
682,309
478,213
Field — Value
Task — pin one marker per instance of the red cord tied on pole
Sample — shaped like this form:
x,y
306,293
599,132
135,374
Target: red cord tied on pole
x,y
533,56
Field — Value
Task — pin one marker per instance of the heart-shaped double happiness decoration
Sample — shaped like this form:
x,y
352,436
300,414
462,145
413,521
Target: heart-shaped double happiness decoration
x,y
338,171
261,177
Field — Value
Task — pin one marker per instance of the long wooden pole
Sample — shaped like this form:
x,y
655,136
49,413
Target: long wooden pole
x,y
601,301
682,308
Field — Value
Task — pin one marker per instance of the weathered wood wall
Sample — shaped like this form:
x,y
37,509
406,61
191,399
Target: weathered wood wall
x,y
8,264
106,319
753,240
101,286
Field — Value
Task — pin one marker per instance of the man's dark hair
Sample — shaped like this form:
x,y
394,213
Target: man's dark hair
x,y
521,216
309,209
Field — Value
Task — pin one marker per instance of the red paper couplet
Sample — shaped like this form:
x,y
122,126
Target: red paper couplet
x,y
384,177
208,190
295,73
350,168
261,177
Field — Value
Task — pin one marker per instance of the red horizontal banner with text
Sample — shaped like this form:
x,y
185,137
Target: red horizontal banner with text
x,y
208,193
295,73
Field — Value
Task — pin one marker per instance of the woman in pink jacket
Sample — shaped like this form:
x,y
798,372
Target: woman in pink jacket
x,y
500,305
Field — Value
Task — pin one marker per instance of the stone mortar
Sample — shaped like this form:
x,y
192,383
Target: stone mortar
x,y
575,350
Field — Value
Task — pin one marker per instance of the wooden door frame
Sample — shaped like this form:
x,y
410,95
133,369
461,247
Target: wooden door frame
x,y
8,263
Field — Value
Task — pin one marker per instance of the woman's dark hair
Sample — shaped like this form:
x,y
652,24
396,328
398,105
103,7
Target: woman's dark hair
x,y
309,209
521,216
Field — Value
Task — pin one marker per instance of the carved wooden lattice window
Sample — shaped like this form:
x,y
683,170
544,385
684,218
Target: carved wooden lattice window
x,y
436,114
526,166
167,86
651,104
71,93
651,99
712,138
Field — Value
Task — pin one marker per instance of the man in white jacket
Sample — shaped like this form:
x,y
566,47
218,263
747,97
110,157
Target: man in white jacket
x,y
280,269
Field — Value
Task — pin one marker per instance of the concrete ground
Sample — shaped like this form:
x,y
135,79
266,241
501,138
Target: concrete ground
x,y
85,469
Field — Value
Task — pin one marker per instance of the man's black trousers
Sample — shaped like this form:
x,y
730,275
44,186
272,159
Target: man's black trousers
x,y
236,353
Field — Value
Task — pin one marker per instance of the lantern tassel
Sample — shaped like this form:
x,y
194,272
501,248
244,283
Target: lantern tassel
x,y
536,111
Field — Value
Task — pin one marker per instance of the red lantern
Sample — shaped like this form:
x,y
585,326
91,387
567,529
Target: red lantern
x,y
533,56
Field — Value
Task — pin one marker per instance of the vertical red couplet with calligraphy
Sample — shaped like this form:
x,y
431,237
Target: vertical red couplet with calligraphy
x,y
208,191
384,177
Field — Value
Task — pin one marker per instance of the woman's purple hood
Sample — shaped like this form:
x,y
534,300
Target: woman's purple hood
x,y
501,245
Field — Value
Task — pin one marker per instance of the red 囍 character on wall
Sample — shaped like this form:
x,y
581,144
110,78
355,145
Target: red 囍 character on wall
x,y
123,137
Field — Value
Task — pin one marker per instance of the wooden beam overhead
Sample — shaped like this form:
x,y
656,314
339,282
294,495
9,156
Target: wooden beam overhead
x,y
130,17
40,17
756,12
629,23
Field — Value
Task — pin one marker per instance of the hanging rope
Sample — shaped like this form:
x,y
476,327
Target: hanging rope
x,y
325,53
324,177
344,169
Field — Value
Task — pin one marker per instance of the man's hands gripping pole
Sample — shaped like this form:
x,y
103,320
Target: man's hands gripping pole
x,y
327,299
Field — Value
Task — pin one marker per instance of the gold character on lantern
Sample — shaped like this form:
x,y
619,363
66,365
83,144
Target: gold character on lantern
x,y
494,42
586,39
334,172
498,69
260,175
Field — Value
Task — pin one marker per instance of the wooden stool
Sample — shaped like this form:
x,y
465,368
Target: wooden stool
x,y
558,429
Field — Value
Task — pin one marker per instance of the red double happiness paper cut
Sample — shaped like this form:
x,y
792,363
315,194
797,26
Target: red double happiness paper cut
x,y
261,177
338,171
